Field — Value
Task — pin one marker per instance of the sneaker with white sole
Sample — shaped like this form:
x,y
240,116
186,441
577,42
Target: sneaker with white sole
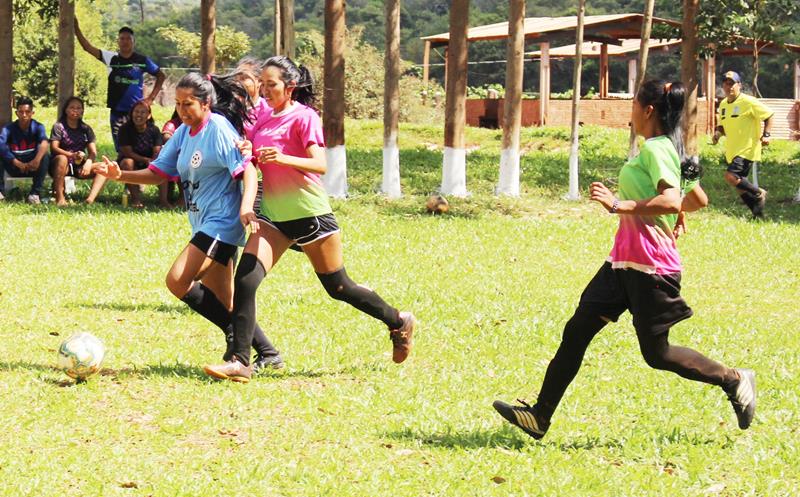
x,y
743,397
33,199
232,370
523,417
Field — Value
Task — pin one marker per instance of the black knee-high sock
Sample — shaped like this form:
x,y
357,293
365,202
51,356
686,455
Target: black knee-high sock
x,y
745,186
203,301
341,287
249,274
578,334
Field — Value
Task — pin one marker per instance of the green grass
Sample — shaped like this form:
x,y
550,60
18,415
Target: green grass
x,y
492,284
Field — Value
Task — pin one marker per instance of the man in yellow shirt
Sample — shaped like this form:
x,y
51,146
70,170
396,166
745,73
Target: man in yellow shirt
x,y
739,119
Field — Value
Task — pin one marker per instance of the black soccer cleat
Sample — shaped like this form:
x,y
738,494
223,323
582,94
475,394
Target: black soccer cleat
x,y
264,363
743,397
523,417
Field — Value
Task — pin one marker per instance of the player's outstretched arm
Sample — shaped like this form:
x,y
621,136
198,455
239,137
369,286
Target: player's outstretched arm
x,y
111,170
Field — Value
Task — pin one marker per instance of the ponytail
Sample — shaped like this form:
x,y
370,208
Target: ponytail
x,y
295,76
224,94
668,99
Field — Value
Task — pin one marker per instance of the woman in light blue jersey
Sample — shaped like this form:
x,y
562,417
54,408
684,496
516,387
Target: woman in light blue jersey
x,y
203,156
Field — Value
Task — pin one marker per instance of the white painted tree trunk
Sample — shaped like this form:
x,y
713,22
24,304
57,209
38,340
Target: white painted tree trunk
x,y
335,180
509,172
390,186
454,172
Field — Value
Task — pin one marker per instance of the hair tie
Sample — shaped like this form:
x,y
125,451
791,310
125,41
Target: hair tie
x,y
667,87
208,77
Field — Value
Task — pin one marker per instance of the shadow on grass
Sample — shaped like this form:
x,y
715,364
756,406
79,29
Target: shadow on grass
x,y
126,307
502,437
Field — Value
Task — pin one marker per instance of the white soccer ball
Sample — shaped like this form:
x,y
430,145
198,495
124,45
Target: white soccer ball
x,y
80,355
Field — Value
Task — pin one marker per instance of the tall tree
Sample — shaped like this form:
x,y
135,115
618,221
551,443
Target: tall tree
x,y
641,68
689,61
66,50
208,27
391,101
454,167
512,106
576,98
335,179
6,59
287,28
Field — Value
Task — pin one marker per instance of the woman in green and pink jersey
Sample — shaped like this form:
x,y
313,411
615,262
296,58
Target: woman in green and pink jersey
x,y
289,149
643,272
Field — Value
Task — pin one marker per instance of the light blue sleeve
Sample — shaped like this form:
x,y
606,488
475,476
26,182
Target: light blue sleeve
x,y
226,138
166,164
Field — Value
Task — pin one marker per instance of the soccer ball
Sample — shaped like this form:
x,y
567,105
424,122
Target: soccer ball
x,y
80,355
437,204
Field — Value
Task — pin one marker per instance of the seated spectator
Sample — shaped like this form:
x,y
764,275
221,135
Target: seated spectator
x,y
23,149
139,143
73,146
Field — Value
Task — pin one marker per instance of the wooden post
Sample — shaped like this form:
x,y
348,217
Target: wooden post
x,y
644,52
335,179
512,105
689,62
426,60
631,76
277,34
576,98
604,70
797,80
544,80
6,60
66,50
454,167
208,27
711,93
287,28
391,101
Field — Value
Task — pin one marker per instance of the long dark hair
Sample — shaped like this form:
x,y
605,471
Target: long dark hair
x,y
62,115
150,120
668,99
293,75
224,94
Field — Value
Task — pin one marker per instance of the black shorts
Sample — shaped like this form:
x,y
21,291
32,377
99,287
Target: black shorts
x,y
740,166
654,300
305,230
215,249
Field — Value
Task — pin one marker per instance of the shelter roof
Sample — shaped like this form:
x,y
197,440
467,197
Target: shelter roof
x,y
592,48
607,28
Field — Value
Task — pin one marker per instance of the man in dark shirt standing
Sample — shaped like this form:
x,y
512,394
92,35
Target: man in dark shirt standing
x,y
23,148
126,70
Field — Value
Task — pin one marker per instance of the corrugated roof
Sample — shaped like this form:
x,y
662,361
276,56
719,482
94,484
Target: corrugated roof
x,y
592,49
614,26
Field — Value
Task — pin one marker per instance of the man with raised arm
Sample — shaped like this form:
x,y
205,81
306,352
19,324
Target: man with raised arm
x,y
126,70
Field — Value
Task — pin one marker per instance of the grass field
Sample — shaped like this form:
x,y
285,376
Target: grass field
x,y
492,285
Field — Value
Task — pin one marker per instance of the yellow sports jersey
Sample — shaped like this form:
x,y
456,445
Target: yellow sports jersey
x,y
741,120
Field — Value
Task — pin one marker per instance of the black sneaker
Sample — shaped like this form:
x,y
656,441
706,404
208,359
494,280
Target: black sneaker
x,y
524,417
743,397
263,363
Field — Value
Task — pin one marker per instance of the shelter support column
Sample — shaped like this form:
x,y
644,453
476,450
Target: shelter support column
x,y
604,70
544,83
797,80
710,87
632,76
426,61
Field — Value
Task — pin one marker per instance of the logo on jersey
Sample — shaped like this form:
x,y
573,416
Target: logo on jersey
x,y
196,160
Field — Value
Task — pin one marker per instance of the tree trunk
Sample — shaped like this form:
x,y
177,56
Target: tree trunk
x,y
454,174
756,91
277,46
208,27
512,105
576,98
6,59
333,112
689,61
287,28
641,67
66,50
391,101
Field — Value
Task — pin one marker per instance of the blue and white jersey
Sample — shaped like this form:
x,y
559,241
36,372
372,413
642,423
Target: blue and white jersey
x,y
208,164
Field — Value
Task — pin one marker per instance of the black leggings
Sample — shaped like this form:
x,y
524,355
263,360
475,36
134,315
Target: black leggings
x,y
656,350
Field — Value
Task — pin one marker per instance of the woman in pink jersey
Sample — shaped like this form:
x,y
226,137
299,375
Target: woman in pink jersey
x,y
643,272
289,149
